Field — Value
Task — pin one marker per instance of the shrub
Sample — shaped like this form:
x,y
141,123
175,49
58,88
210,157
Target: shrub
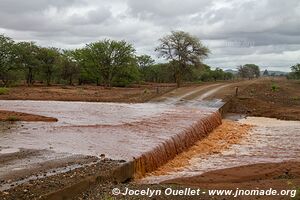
x,y
274,87
146,91
4,91
12,119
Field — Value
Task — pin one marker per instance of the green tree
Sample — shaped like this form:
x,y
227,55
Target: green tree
x,y
69,67
159,73
144,62
296,71
27,58
109,56
7,60
249,71
183,50
88,70
217,74
48,60
228,76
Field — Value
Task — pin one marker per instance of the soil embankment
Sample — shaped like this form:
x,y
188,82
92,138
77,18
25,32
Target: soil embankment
x,y
274,98
18,116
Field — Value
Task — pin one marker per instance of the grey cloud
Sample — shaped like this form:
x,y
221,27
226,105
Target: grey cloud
x,y
20,6
166,8
266,32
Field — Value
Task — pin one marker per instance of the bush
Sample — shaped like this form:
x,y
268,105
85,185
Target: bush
x,y
274,87
4,91
12,119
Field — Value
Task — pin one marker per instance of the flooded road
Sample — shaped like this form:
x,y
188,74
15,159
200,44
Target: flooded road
x,y
120,131
269,141
116,131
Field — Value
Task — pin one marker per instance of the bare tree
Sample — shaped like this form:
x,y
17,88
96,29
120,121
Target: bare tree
x,y
183,50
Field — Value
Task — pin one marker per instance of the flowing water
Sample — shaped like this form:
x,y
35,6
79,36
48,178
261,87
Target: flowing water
x,y
148,134
269,141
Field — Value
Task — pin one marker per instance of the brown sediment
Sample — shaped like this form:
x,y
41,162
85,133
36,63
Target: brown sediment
x,y
18,116
168,150
88,93
263,175
220,139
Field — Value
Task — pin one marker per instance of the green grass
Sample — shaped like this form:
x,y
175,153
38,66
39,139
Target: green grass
x,y
12,119
274,87
4,91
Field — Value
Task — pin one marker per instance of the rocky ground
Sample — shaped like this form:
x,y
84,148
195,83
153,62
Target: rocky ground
x,y
45,185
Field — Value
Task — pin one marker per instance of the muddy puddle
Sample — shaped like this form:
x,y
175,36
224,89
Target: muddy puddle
x,y
269,141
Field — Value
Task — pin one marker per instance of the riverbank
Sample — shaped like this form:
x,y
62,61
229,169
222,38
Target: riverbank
x,y
10,116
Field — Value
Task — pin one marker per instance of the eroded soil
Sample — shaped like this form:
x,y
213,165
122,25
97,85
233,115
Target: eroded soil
x,y
19,116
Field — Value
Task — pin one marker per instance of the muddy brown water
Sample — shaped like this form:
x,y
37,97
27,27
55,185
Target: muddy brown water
x,y
270,141
149,134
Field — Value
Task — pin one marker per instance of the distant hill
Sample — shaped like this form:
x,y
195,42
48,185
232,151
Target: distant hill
x,y
231,71
276,73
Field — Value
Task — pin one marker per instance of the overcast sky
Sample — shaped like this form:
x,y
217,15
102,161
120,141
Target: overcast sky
x,y
264,32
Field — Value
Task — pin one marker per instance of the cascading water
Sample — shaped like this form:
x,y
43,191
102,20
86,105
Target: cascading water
x,y
167,150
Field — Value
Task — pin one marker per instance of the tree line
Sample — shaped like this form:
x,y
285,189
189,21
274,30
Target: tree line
x,y
295,74
109,63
